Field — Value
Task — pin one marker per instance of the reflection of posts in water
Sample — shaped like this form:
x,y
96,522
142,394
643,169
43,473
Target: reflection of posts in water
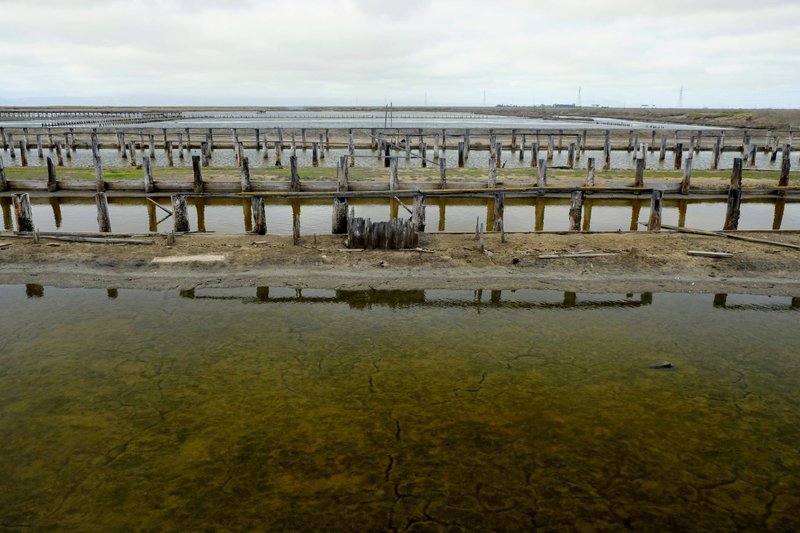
x,y
200,207
682,205
777,221
720,300
112,294
490,214
636,207
55,203
647,298
394,208
152,221
570,299
34,290
296,221
6,205
795,302
539,225
262,293
442,210
247,211
587,215
495,297
187,293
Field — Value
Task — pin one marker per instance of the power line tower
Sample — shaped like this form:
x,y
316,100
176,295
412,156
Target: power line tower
x,y
680,98
484,98
578,103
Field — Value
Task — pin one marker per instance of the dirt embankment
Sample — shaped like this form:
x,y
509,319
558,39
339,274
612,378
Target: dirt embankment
x,y
641,262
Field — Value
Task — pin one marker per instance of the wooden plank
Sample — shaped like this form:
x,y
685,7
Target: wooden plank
x,y
703,253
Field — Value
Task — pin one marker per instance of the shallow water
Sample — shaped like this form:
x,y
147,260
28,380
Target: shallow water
x,y
234,215
267,408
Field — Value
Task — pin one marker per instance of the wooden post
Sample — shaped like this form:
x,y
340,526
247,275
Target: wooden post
x,y
656,202
132,153
387,155
294,184
443,173
591,172
278,153
687,174
296,223
436,147
99,178
732,212
418,213
513,140
103,220
394,181
204,153
571,155
3,138
423,152
678,155
549,147
492,172
148,176
210,141
59,154
168,149
23,212
460,155
303,137
662,155
786,165
339,223
180,145
639,179
736,173
3,180
23,154
327,140
52,184
321,148
12,152
50,138
266,145
541,180
180,213
498,154
534,155
245,170
39,151
314,155
607,151
259,215
198,175
344,174
575,210
351,149
188,139
499,210
715,151
152,142
753,150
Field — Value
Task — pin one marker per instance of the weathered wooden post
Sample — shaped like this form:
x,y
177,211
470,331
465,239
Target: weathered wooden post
x,y
571,155
52,184
436,147
387,155
394,181
278,153
259,215
152,142
245,175
513,140
59,154
294,183
630,141
296,222
103,220
168,149
575,210
132,153
541,180
662,155
498,154
732,212
499,210
678,155
23,212
351,149
443,173
122,146
534,155
314,155
339,222
327,140
23,154
303,137
715,151
652,140
408,145
418,213
607,151
786,165
39,150
148,176
13,152
321,148
210,141
197,174
3,138
343,172
753,150
656,203
99,178
180,213
639,179
188,139
204,153
591,172
266,145
3,180
736,173
687,174
50,138
460,155
492,172
423,152
549,147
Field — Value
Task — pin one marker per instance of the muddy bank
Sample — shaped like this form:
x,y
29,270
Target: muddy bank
x,y
641,262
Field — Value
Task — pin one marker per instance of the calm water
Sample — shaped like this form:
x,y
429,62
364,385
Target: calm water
x,y
234,215
422,410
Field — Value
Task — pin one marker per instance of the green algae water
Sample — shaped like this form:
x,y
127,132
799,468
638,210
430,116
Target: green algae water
x,y
265,408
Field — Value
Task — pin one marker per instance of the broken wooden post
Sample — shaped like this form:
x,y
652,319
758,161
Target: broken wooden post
x,y
656,203
460,155
571,156
103,219
418,213
152,142
443,173
591,172
23,212
3,180
197,174
534,155
148,176
344,174
99,178
492,172
59,154
39,151
607,151
245,175
575,210
687,174
394,181
732,212
499,211
639,178
736,173
259,215
278,153
52,184
541,180
314,155
294,184
339,223
662,155
23,154
168,149
180,213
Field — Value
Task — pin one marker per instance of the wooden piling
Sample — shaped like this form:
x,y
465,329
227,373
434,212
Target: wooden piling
x,y
149,183
736,173
387,155
571,156
753,150
339,222
786,165
314,155
3,140
575,210
296,223
278,153
39,150
733,208
132,153
394,181
590,176
180,213
460,155
99,178
443,173
245,175
294,183
492,183
59,154
498,154
436,154
344,174
639,178
678,155
662,154
423,151
541,179
259,215
418,213
549,147
351,150
204,153
715,152
321,148
197,175
52,184
499,211
3,180
687,175
23,154
23,212
607,151
12,150
103,219
656,203
168,149
534,155
152,142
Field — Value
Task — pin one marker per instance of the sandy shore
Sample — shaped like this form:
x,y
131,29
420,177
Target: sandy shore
x,y
642,262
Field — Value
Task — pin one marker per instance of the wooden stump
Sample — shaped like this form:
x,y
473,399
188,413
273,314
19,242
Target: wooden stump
x,y
575,210
245,175
52,184
23,212
197,174
294,184
103,219
99,177
180,213
591,172
149,183
339,222
732,212
259,215
656,203
418,213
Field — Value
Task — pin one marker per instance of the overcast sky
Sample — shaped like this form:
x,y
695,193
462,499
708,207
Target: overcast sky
x,y
724,53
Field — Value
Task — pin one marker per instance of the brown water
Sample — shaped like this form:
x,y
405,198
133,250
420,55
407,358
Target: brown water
x,y
421,410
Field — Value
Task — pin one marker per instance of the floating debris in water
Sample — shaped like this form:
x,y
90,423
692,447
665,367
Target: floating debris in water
x,y
662,364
